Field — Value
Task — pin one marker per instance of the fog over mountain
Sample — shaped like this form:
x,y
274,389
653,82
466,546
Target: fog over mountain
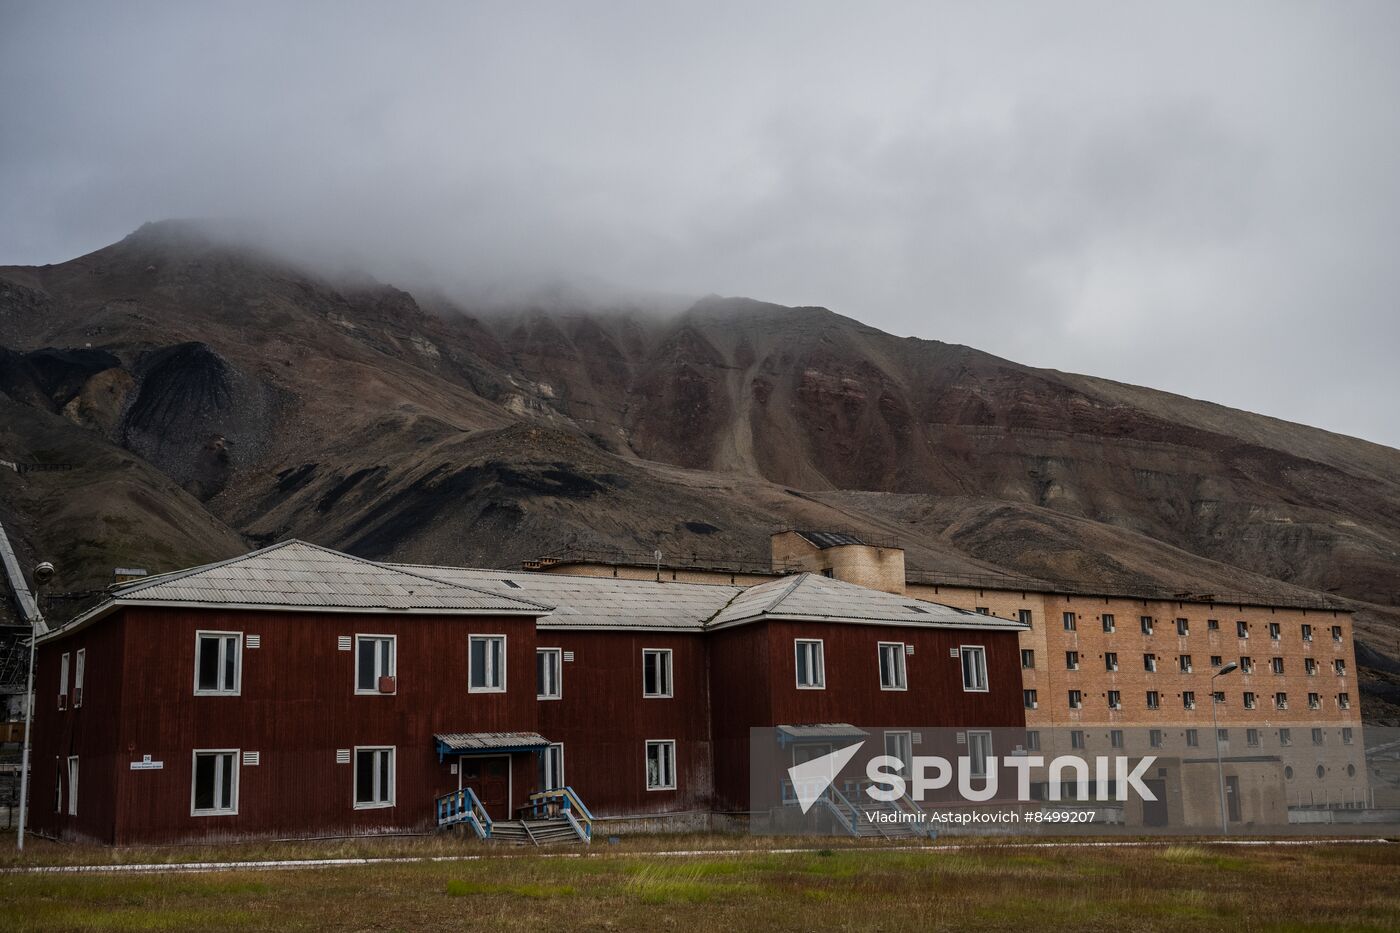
x,y
1197,198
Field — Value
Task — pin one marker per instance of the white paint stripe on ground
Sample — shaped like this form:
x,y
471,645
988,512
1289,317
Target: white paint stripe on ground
x,y
299,864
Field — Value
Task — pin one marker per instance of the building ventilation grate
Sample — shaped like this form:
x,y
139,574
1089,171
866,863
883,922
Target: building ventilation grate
x,y
252,758
344,642
254,641
342,756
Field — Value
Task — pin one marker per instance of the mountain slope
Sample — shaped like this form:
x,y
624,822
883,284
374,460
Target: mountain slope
x,y
209,396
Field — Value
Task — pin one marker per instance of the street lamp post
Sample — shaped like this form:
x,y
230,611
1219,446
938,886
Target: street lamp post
x,y
42,574
1219,764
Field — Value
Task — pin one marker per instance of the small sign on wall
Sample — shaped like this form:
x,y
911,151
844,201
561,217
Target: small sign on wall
x,y
146,764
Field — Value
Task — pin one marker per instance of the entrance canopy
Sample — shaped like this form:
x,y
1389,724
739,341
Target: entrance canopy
x,y
488,743
819,730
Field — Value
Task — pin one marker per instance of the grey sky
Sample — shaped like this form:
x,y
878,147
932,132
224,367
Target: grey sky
x,y
1203,197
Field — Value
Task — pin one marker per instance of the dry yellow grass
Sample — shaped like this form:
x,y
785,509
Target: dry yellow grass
x,y
1162,887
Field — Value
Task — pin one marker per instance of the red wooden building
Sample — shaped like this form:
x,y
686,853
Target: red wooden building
x,y
297,691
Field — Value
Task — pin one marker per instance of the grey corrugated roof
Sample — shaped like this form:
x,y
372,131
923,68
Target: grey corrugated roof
x,y
295,575
822,730
599,602
826,539
811,597
480,741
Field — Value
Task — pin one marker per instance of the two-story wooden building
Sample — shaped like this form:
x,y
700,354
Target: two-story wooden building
x,y
298,691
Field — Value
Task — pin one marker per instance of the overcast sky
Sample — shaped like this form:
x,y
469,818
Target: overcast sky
x,y
1198,197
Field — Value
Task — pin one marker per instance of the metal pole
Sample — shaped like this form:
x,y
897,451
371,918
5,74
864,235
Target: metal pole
x,y
1219,765
24,757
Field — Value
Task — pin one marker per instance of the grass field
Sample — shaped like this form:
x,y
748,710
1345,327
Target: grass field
x,y
1176,886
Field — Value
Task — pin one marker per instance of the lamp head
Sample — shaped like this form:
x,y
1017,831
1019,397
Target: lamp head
x,y
43,573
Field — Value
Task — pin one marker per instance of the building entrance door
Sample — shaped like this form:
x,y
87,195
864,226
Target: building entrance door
x,y
1154,812
489,777
1232,798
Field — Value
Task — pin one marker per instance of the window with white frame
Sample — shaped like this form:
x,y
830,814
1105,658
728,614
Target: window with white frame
x,y
79,668
900,744
63,680
214,783
375,659
893,675
218,663
656,672
979,749
552,767
374,777
549,684
487,655
974,668
661,764
1071,621
811,664
72,785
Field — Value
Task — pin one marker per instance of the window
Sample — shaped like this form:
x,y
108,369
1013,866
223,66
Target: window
x,y
73,781
983,611
661,765
1336,633
1222,736
1273,630
1184,662
1344,701
1032,741
1188,699
656,670
1076,738
374,777
1115,699
1115,738
1107,622
1218,696
1023,616
1030,698
1193,738
1215,661
1276,664
214,788
979,749
1154,738
1346,735
218,663
548,668
1212,625
811,666
1249,700
1246,665
1110,661
1310,667
79,664
900,745
1071,660
1280,701
1251,738
1321,772
1183,627
1307,632
552,767
487,658
63,681
893,675
1285,736
1145,623
1153,699
1071,622
1027,658
974,668
1317,737
1076,699
375,664
57,787
1338,666
1242,629
1314,701
1149,663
